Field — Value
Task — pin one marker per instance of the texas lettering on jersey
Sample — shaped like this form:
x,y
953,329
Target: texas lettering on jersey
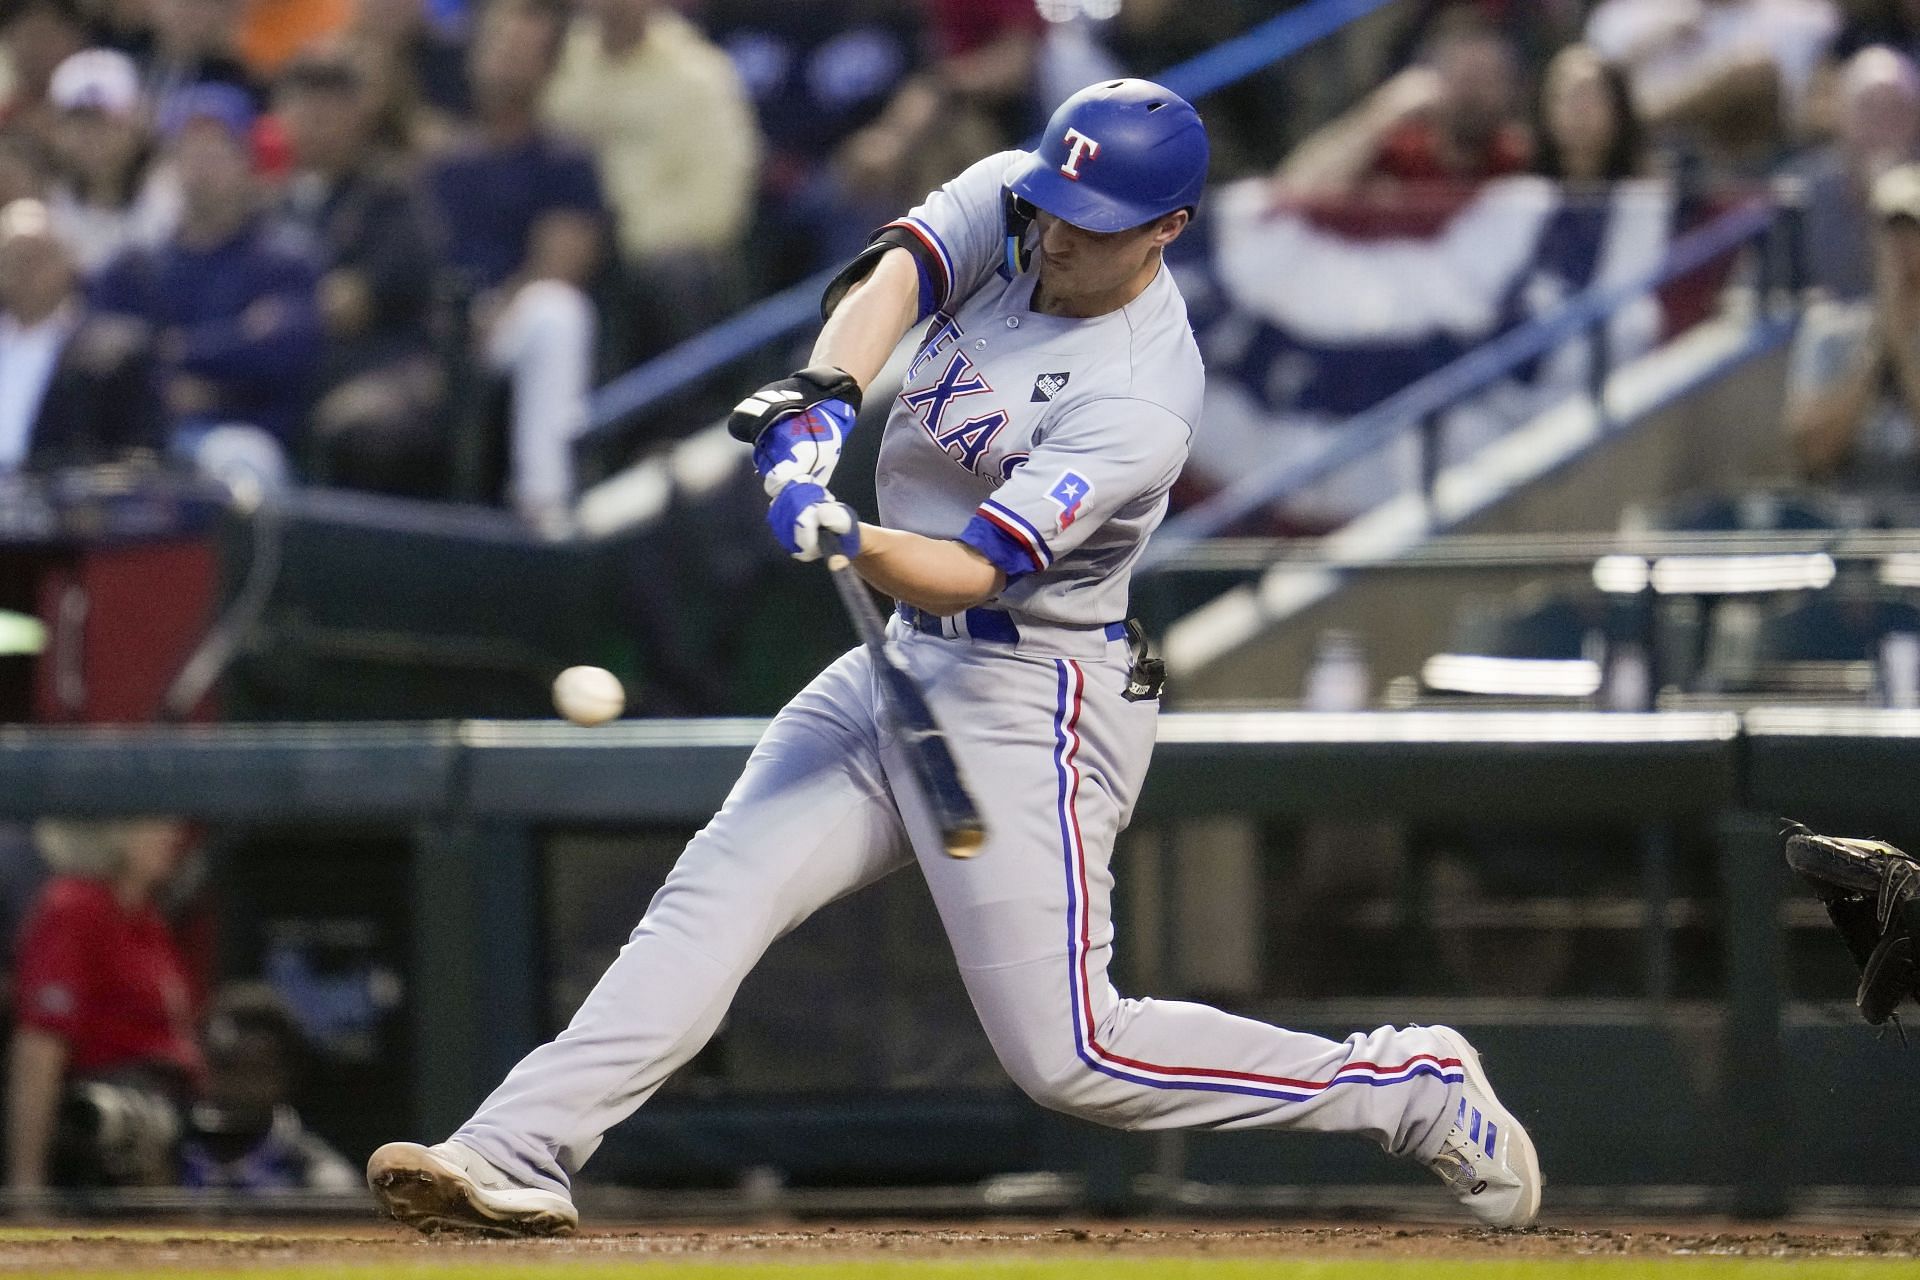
x,y
942,332
968,439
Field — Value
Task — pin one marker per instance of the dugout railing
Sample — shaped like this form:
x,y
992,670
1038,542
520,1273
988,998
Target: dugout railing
x,y
1746,1094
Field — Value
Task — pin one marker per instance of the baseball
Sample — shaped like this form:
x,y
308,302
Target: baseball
x,y
588,695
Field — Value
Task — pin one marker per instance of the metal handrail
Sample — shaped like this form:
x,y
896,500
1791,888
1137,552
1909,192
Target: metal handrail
x,y
1498,551
798,305
1372,429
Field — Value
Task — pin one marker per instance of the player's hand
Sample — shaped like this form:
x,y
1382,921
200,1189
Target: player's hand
x,y
801,510
803,446
765,420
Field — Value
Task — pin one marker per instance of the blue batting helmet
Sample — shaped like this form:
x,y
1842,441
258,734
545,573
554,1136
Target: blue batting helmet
x,y
1115,155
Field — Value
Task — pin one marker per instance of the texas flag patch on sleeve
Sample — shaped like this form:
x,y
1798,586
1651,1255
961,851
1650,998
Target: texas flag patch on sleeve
x,y
1069,491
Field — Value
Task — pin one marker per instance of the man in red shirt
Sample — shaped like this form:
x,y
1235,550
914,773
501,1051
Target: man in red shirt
x,y
102,999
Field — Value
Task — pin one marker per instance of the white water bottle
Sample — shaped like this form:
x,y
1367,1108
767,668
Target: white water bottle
x,y
1900,669
1338,679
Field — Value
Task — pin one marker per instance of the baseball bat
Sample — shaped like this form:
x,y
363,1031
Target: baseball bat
x,y
931,760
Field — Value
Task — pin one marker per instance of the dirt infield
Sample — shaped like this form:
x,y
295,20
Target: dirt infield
x,y
1141,1248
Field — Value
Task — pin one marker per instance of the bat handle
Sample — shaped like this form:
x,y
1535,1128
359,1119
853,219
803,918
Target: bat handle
x,y
872,628
834,550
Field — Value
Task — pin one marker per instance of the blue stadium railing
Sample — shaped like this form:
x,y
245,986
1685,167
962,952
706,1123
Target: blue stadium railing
x,y
793,308
1421,405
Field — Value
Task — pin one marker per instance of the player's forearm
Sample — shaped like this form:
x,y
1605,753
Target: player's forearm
x,y
868,323
33,1102
935,574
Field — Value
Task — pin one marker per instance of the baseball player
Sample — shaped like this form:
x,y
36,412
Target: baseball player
x,y
1026,459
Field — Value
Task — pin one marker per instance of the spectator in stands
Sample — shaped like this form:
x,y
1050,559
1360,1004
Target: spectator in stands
x,y
1538,28
525,223
924,137
818,70
673,129
191,42
1588,131
376,425
402,124
74,387
26,167
424,53
108,198
986,53
232,297
1589,138
1853,394
1428,137
36,36
244,1134
1734,74
105,1011
1877,128
977,95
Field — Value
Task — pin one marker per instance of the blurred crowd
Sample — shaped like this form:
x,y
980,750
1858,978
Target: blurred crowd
x,y
337,238
1648,118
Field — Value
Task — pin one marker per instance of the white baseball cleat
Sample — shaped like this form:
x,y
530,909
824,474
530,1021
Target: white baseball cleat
x,y
448,1187
1487,1160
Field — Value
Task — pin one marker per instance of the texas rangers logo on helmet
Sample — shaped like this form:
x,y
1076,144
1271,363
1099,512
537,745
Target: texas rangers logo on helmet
x,y
1079,147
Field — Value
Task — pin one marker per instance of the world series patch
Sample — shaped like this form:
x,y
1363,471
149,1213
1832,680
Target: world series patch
x,y
1069,491
1047,386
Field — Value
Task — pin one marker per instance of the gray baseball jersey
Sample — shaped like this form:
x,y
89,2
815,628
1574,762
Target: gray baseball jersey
x,y
1050,445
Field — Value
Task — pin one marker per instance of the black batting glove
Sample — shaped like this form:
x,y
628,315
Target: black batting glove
x,y
796,393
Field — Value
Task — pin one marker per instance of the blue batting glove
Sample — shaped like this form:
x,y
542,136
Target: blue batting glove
x,y
801,510
803,446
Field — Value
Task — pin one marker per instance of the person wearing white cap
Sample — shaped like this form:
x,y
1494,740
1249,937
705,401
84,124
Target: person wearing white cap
x,y
1853,385
110,196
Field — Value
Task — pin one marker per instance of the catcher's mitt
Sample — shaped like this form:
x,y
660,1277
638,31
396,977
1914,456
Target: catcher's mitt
x,y
1872,891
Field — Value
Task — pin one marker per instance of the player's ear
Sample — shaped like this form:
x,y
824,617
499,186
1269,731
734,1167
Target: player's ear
x,y
1170,228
